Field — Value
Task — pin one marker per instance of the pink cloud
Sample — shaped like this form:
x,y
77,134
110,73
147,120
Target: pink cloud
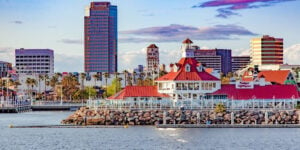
x,y
232,5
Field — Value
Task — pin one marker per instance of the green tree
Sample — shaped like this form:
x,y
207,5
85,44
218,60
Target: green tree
x,y
53,81
114,88
106,76
82,77
70,86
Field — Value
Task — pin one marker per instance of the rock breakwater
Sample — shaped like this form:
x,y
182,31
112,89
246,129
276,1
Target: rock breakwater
x,y
86,116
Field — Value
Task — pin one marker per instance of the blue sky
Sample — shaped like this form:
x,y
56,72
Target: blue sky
x,y
58,25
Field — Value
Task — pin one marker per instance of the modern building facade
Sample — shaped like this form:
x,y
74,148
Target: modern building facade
x,y
219,59
239,62
209,59
225,60
5,67
266,50
30,61
152,58
100,38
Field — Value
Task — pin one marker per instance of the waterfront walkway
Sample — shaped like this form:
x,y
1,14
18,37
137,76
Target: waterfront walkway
x,y
24,106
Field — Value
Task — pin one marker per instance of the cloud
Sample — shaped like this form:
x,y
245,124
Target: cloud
x,y
7,54
71,41
229,6
17,22
176,32
68,63
292,54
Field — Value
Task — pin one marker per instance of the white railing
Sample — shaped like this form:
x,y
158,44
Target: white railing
x,y
13,103
56,103
209,104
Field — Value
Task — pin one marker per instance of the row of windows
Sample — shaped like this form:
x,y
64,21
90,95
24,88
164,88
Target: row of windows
x,y
31,60
32,64
33,68
43,56
33,71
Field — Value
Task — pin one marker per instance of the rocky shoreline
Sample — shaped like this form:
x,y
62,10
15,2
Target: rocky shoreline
x,y
86,116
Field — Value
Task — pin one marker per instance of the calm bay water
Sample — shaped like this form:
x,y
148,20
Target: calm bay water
x,y
136,137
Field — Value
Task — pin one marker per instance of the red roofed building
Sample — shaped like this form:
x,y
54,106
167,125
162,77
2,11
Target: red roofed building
x,y
277,76
189,83
139,93
187,78
259,92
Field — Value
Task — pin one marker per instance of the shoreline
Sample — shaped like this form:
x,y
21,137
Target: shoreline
x,y
166,126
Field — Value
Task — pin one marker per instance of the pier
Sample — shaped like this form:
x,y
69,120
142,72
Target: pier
x,y
24,106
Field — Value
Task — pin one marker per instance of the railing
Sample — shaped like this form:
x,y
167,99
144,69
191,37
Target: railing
x,y
204,104
14,103
56,103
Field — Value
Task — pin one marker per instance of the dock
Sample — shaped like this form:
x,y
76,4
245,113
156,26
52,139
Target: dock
x,y
11,107
55,107
228,126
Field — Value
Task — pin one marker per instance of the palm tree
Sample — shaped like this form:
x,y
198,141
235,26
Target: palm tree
x,y
117,79
119,82
134,80
53,81
31,83
70,85
106,76
129,79
41,77
82,77
142,75
96,78
28,83
46,80
125,76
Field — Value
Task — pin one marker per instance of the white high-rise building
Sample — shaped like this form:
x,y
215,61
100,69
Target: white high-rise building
x,y
39,61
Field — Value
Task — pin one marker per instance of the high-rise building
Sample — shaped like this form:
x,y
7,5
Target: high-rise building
x,y
266,50
39,61
209,59
219,59
100,38
152,58
225,60
5,67
239,62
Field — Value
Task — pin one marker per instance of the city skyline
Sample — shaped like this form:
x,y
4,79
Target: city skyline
x,y
229,25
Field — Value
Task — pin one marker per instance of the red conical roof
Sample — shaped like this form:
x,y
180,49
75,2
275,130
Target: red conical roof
x,y
187,41
152,46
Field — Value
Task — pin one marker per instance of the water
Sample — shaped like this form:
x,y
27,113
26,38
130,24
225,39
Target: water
x,y
135,137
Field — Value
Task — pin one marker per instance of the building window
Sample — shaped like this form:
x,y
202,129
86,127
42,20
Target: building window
x,y
187,68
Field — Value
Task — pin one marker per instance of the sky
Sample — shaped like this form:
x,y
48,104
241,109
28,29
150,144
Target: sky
x,y
229,24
